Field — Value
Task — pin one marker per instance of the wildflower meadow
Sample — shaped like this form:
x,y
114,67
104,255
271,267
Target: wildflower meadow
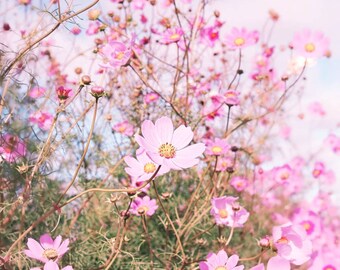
x,y
166,134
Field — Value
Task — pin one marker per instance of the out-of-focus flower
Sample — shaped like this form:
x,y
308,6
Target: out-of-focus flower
x,y
75,30
93,14
334,142
274,263
63,93
209,36
150,98
310,44
93,28
36,92
51,265
319,169
172,35
317,109
138,4
309,220
11,148
48,249
241,38
24,2
231,98
115,54
143,206
220,261
239,183
43,119
228,212
124,128
217,147
166,146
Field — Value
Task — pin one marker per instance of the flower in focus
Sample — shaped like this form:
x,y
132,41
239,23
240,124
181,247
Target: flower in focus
x,y
43,119
124,128
37,92
143,167
48,249
217,147
310,44
63,93
168,147
115,54
11,148
143,206
220,261
51,265
172,35
228,212
292,243
241,38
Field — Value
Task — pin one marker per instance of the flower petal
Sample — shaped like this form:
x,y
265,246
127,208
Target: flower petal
x,y
164,129
46,241
182,137
192,151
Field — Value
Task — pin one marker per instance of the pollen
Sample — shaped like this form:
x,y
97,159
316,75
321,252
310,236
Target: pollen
x,y
282,240
50,254
216,149
239,41
223,213
310,47
175,36
221,268
149,167
167,150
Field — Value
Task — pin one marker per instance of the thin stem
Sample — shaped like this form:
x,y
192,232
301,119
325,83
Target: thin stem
x,y
228,119
148,239
230,236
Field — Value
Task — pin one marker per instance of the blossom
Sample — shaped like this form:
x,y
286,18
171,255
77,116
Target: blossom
x,y
36,92
43,119
231,98
143,206
241,38
168,147
151,97
143,167
282,174
221,261
209,36
124,128
228,212
292,243
63,93
115,54
51,265
310,44
274,263
217,147
48,249
172,35
11,148
138,4
309,220
319,169
239,183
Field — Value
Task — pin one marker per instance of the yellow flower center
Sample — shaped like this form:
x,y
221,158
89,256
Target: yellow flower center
x,y
310,47
174,36
223,213
329,267
239,41
119,55
122,128
167,150
50,254
221,268
216,149
149,167
282,240
284,176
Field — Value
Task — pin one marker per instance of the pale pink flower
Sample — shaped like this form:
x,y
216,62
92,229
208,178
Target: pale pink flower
x,y
11,148
48,249
209,36
124,128
228,212
150,98
143,206
143,167
241,38
317,109
168,147
172,35
138,4
220,261
274,263
37,92
216,147
319,169
115,54
310,44
223,163
334,142
282,174
292,243
93,28
51,265
239,183
309,220
43,119
231,98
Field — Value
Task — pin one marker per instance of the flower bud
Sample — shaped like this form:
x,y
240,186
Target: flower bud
x,y
97,91
86,79
93,14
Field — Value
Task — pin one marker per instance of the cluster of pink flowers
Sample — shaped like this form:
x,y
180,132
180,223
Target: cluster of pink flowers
x,y
115,54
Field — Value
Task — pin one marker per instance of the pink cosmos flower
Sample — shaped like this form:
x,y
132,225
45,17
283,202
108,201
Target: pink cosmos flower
x,y
292,243
217,147
172,35
93,28
124,128
37,92
115,54
63,93
241,38
310,44
220,261
138,4
43,119
209,36
51,265
143,206
11,148
143,167
239,183
168,147
231,98
150,98
228,212
223,163
334,142
274,263
319,169
48,249
317,109
309,220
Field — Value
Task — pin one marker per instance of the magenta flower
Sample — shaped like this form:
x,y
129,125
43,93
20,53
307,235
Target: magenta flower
x,y
217,147
143,167
241,38
43,119
221,261
51,265
282,174
168,147
63,93
11,148
48,249
36,92
172,35
209,36
292,243
124,128
228,212
310,44
115,54
143,206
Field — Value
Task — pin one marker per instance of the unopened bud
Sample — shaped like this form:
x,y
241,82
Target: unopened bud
x,y
264,242
97,91
93,14
234,149
86,79
78,70
230,169
217,13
